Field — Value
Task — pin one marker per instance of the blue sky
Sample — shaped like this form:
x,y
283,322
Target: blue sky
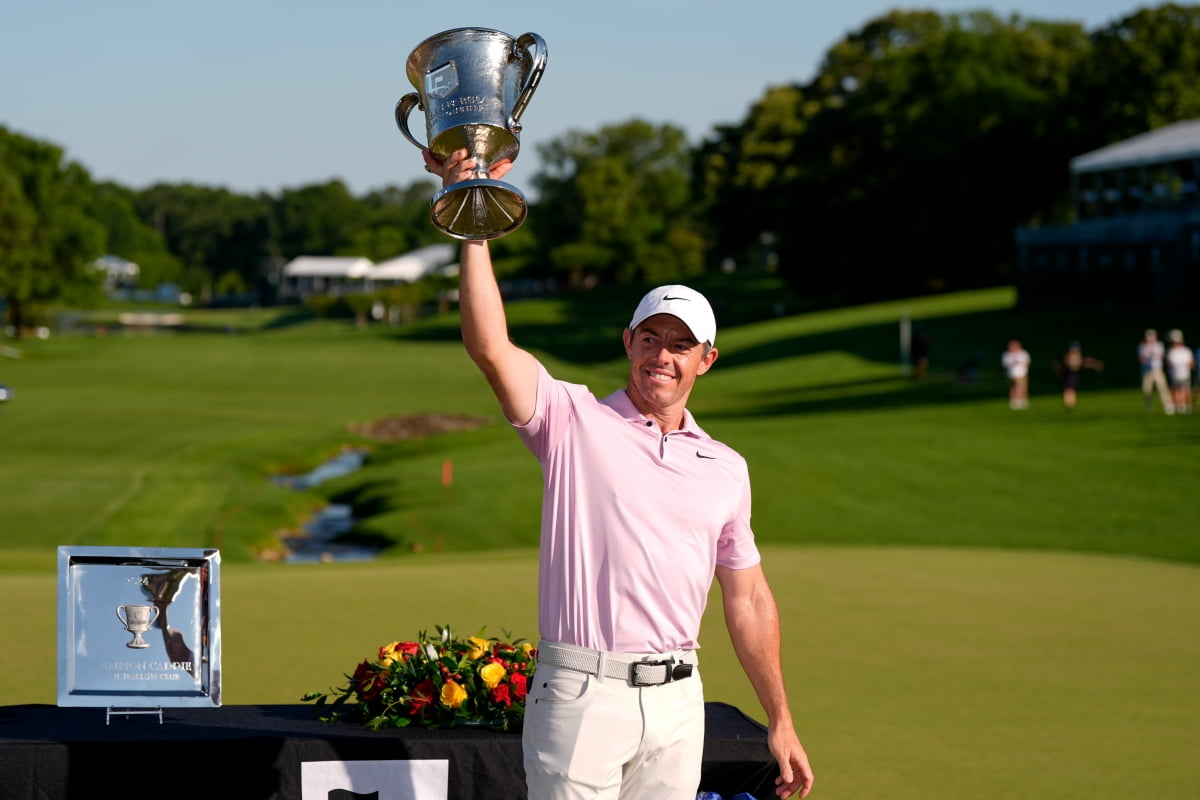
x,y
252,95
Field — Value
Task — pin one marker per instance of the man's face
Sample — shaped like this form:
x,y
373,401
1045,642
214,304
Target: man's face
x,y
665,360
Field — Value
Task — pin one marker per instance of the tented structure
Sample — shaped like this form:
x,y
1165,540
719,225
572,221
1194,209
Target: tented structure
x,y
118,272
412,266
308,275
1153,170
1136,237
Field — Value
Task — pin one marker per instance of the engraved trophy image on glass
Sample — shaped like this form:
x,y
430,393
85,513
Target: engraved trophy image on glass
x,y
137,619
473,85
169,599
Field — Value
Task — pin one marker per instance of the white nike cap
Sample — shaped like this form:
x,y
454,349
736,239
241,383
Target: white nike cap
x,y
679,301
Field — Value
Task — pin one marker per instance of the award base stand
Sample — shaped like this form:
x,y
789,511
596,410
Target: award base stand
x,y
477,209
127,712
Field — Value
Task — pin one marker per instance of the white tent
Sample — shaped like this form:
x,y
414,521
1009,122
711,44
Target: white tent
x,y
327,267
1177,141
413,265
308,275
117,271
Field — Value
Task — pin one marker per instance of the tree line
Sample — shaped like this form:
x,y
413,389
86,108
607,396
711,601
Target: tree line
x,y
901,168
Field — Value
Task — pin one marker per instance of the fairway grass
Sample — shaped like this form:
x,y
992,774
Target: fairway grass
x,y
914,672
172,440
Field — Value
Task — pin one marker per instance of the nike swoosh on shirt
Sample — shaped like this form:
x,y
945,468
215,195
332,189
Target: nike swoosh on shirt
x,y
701,455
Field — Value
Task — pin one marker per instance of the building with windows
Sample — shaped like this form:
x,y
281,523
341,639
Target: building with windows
x,y
1135,240
305,276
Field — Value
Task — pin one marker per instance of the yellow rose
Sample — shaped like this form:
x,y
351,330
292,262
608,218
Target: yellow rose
x,y
479,647
492,674
526,648
453,695
389,653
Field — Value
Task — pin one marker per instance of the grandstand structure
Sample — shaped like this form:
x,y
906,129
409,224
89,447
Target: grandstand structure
x,y
1135,237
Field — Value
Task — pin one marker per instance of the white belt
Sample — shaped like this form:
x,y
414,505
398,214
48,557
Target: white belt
x,y
637,670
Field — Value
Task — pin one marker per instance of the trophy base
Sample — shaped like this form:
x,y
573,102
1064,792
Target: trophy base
x,y
478,209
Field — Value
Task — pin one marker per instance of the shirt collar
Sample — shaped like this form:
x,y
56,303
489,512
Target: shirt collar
x,y
619,402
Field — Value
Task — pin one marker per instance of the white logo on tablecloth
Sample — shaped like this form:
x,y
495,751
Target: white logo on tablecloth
x,y
422,779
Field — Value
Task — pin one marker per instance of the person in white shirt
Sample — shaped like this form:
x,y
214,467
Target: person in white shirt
x,y
1150,356
1016,368
1180,363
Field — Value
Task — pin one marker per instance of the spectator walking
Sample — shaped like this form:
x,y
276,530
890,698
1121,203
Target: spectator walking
x,y
1150,357
1016,367
1180,363
1068,368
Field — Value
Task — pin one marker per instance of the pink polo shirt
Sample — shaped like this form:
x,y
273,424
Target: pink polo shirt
x,y
633,522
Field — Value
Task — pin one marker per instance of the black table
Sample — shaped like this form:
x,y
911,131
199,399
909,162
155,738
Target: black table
x,y
253,752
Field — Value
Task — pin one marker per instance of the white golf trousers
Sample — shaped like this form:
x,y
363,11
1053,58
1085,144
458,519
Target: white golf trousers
x,y
587,738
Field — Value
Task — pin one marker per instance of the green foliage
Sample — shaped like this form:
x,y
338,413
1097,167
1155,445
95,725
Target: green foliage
x,y
922,139
1141,73
126,232
211,230
905,164
391,221
48,235
617,204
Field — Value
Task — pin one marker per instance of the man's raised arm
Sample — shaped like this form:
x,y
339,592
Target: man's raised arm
x,y
511,371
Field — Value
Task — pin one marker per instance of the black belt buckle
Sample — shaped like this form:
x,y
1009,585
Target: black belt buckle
x,y
675,671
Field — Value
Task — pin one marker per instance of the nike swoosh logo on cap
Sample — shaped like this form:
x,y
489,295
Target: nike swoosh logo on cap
x,y
668,297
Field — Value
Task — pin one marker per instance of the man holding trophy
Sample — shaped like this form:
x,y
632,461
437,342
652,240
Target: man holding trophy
x,y
641,509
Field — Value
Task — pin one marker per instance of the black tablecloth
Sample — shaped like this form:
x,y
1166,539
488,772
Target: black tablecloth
x,y
252,752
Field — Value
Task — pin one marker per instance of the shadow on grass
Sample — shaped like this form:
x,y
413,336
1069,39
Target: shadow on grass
x,y
964,350
368,498
294,315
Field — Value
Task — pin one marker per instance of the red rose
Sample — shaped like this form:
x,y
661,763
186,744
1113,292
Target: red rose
x,y
519,684
368,681
422,695
501,696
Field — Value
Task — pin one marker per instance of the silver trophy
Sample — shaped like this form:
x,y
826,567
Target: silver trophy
x,y
473,85
137,619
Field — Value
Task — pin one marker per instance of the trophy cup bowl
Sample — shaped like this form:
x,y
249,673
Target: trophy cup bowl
x,y
137,619
473,85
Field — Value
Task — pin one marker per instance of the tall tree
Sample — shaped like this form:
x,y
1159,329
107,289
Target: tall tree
x,y
392,221
47,236
1143,72
215,232
904,165
615,204
318,219
130,237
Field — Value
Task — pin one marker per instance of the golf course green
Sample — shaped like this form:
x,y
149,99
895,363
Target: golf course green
x,y
977,602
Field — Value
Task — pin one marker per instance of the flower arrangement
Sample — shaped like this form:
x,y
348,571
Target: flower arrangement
x,y
436,682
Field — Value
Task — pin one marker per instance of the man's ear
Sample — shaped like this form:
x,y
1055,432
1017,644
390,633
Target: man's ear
x,y
709,359
627,338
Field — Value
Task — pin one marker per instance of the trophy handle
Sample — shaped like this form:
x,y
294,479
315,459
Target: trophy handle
x,y
524,43
403,109
123,620
154,616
